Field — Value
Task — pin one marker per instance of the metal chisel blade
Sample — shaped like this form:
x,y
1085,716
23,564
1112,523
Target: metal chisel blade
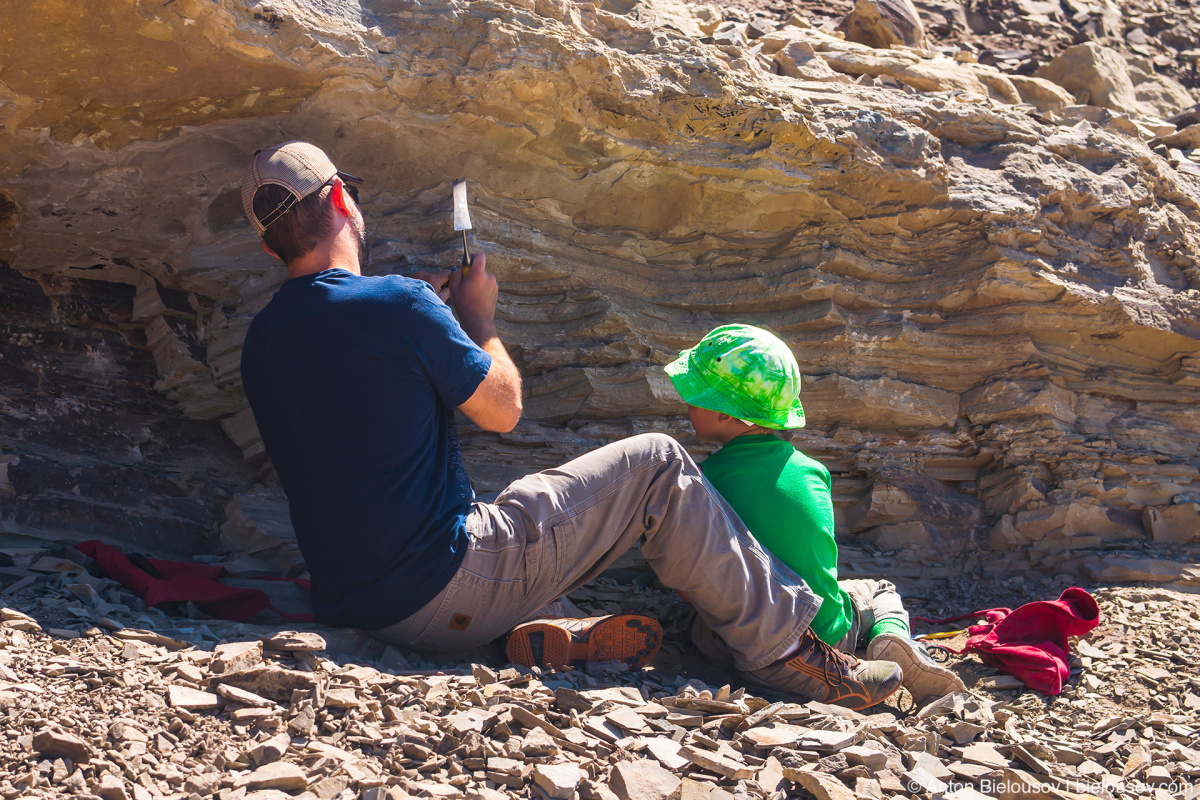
x,y
462,217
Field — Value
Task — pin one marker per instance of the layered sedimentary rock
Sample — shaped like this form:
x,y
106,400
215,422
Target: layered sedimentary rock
x,y
993,294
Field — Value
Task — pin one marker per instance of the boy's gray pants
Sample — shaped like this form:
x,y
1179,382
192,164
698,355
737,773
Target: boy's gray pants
x,y
554,531
873,602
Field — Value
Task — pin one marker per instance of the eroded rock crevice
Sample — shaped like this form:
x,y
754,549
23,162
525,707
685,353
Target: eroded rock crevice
x,y
89,447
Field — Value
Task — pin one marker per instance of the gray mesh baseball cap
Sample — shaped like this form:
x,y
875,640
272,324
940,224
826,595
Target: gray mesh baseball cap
x,y
299,167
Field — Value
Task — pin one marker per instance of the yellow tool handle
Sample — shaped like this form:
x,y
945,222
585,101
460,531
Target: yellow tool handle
x,y
941,635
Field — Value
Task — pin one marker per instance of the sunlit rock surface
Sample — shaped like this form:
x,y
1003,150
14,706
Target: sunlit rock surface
x,y
996,311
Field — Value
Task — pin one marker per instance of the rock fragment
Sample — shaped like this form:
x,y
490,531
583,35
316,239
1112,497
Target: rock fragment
x,y
824,787
112,788
280,775
919,780
203,784
191,699
1096,74
273,682
714,762
559,781
271,749
243,697
643,780
294,641
235,657
667,752
58,743
873,759
17,620
698,790
883,23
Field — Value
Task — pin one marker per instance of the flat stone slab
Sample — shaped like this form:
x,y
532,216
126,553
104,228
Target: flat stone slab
x,y
780,734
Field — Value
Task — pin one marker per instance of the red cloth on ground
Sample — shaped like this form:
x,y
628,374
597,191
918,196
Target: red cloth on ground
x,y
1031,643
183,581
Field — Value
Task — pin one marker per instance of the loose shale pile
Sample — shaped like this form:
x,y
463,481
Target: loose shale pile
x,y
100,697
989,276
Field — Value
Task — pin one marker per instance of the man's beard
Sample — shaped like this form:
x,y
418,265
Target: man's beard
x,y
364,249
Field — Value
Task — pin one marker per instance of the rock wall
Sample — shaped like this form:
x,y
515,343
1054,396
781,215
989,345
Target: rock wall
x,y
993,294
88,445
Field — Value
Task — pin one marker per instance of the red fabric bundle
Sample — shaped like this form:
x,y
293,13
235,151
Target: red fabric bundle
x,y
182,581
1030,643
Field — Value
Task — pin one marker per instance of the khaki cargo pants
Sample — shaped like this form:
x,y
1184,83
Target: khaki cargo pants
x,y
551,532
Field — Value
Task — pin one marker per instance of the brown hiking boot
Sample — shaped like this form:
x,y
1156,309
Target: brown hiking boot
x,y
818,672
557,643
925,679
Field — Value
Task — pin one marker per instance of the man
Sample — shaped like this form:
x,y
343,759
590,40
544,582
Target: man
x,y
353,381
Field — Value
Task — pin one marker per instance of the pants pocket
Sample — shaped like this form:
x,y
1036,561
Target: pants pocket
x,y
474,611
488,594
563,538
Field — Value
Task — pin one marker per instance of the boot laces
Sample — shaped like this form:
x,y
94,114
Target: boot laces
x,y
831,657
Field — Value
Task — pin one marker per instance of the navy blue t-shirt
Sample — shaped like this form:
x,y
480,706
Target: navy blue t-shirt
x,y
353,381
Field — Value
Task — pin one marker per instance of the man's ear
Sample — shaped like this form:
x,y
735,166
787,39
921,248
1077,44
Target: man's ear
x,y
269,251
722,417
338,196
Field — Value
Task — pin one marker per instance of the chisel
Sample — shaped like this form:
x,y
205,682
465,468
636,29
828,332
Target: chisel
x,y
462,217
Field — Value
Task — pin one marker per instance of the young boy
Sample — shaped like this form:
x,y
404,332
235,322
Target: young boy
x,y
742,384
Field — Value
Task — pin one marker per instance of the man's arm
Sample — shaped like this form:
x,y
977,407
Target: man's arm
x,y
496,403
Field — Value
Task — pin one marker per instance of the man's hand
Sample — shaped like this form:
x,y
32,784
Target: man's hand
x,y
474,297
496,404
438,279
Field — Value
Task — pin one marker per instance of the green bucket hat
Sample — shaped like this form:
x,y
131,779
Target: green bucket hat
x,y
743,371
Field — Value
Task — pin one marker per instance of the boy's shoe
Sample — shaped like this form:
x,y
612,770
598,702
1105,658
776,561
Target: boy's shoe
x,y
557,643
925,679
818,672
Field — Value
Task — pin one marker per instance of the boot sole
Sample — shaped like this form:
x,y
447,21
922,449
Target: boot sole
x,y
628,638
924,682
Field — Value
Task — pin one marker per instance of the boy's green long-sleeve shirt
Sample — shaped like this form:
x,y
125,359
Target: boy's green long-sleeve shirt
x,y
784,498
